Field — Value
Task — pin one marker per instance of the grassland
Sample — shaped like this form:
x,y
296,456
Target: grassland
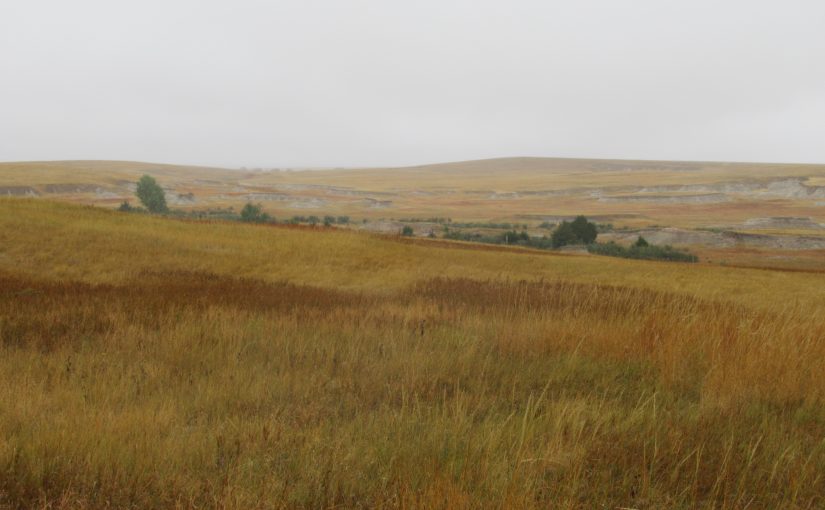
x,y
150,362
783,202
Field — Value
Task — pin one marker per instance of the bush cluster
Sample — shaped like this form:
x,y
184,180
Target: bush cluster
x,y
507,226
511,237
253,213
425,220
314,220
641,249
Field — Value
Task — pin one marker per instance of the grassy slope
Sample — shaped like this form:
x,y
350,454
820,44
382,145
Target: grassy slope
x,y
502,174
36,173
137,369
518,174
46,239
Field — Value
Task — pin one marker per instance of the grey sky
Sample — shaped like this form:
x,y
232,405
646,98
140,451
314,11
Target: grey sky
x,y
385,82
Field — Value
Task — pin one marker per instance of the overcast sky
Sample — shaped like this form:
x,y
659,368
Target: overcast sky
x,y
286,83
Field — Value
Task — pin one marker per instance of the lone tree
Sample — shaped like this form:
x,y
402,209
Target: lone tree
x,y
151,195
252,213
407,231
641,242
584,230
579,231
563,235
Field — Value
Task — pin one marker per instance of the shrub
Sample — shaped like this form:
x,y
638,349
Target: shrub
x,y
125,207
407,231
484,225
151,195
313,220
252,213
641,242
513,237
647,252
343,220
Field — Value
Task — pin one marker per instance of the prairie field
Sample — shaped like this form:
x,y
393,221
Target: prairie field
x,y
150,362
745,214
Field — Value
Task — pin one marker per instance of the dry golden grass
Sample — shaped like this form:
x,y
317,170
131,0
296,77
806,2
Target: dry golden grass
x,y
100,173
515,174
157,363
56,241
810,261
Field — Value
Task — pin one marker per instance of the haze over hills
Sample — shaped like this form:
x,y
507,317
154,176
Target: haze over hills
x,y
359,317
635,192
554,164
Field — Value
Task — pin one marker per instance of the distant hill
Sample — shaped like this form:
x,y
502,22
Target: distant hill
x,y
624,192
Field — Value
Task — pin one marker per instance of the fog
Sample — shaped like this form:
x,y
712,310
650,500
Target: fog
x,y
373,83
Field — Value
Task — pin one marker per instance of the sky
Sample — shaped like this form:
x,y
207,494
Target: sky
x,y
303,83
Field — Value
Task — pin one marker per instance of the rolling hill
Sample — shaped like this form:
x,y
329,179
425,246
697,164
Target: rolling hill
x,y
163,363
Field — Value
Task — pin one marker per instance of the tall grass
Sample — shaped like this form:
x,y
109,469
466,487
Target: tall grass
x,y
169,387
199,390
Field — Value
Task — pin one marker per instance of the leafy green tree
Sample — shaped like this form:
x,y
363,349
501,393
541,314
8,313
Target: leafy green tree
x,y
313,220
151,195
329,220
252,213
343,220
641,242
407,231
563,235
585,231
579,231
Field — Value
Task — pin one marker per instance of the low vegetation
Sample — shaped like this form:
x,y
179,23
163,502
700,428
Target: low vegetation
x,y
489,225
578,232
147,362
434,219
509,238
253,213
641,249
